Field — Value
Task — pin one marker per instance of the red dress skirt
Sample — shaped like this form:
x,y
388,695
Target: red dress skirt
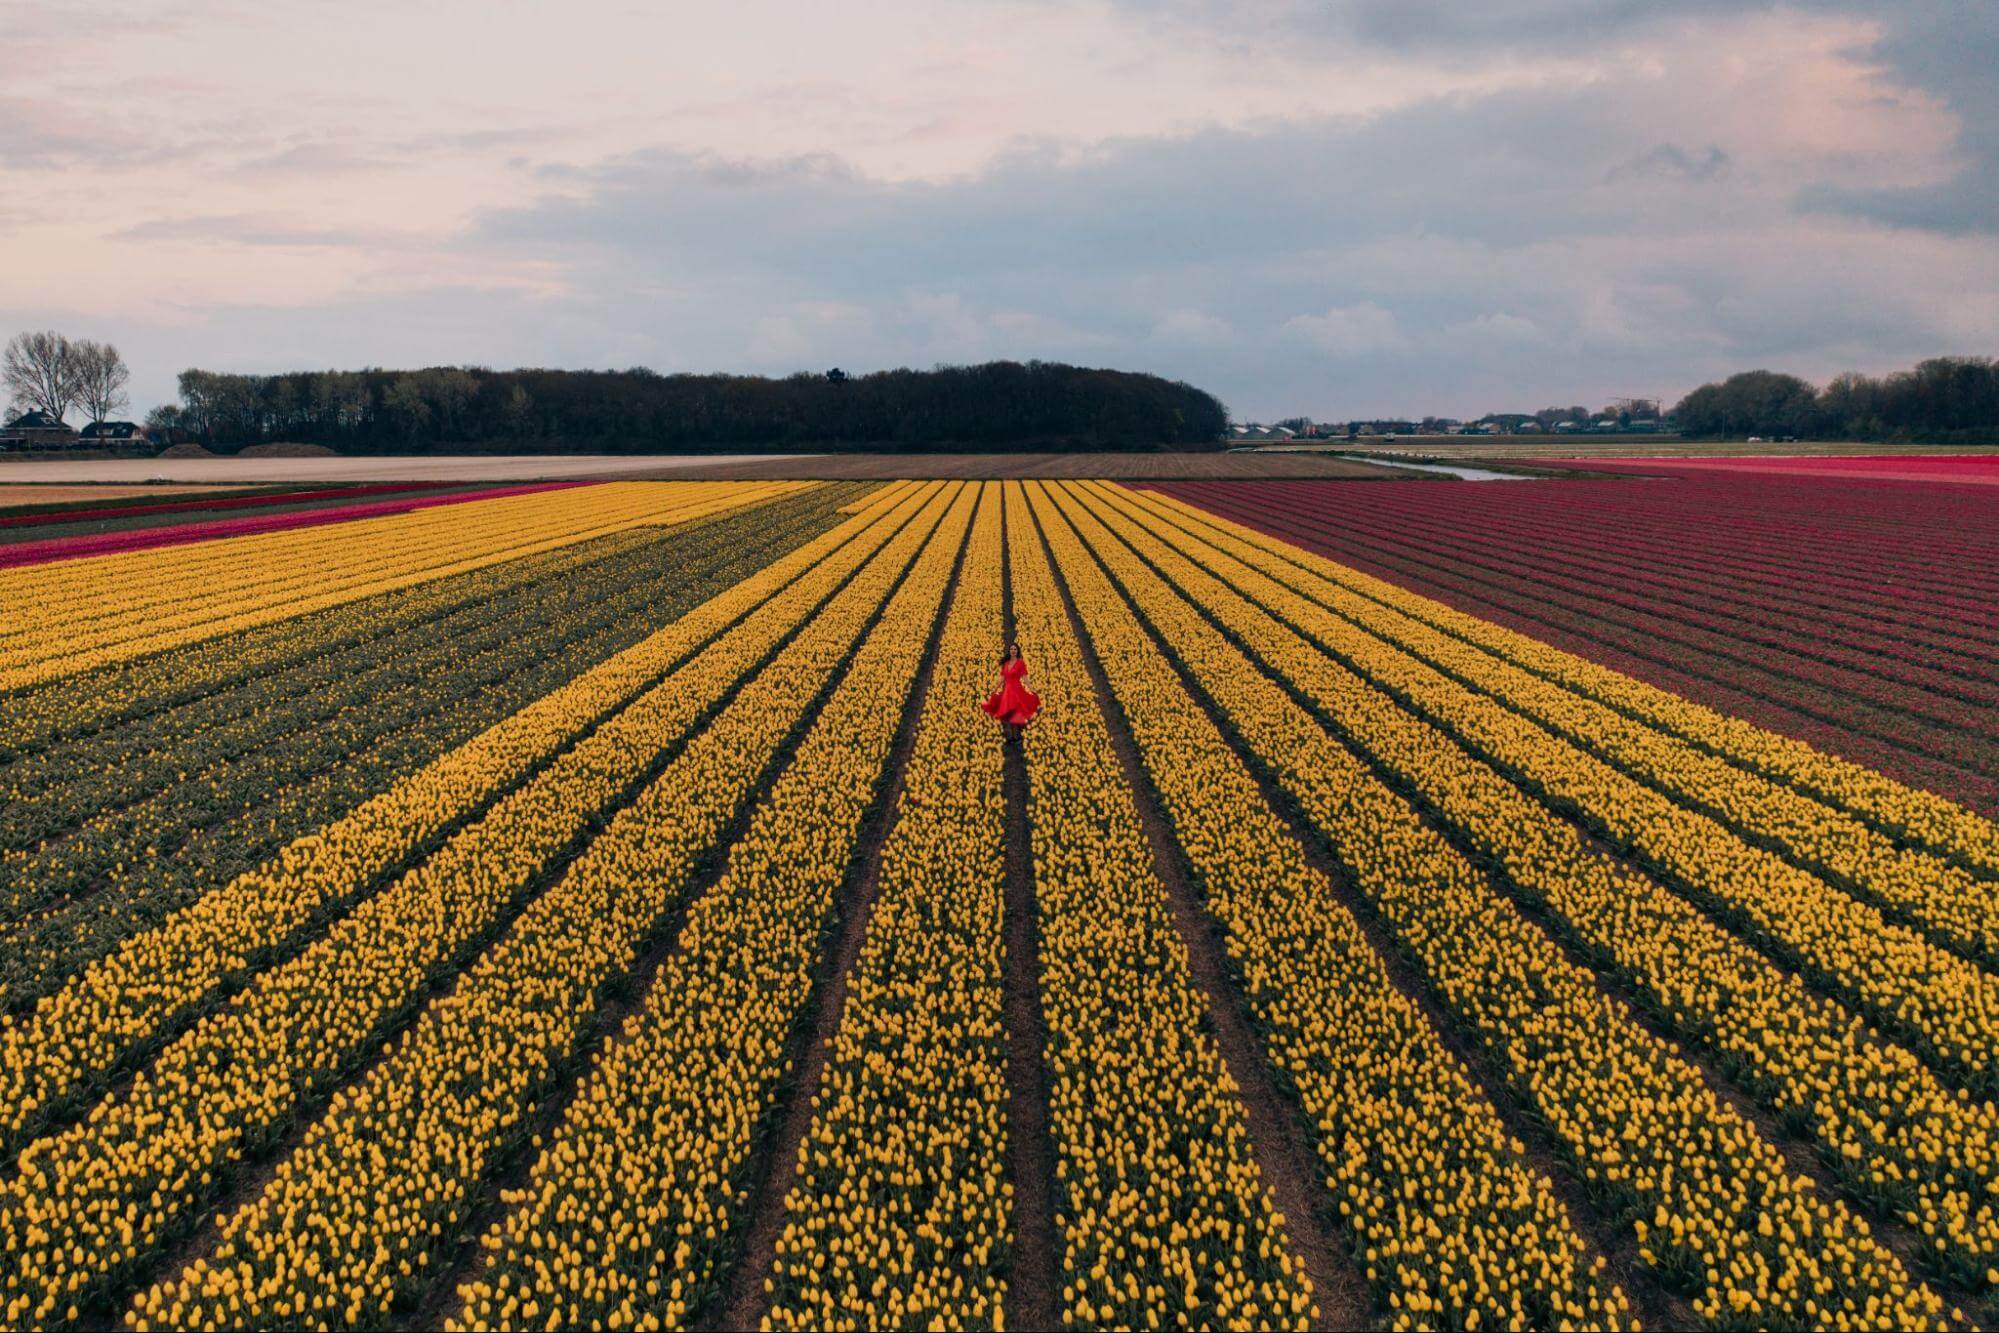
x,y
1012,701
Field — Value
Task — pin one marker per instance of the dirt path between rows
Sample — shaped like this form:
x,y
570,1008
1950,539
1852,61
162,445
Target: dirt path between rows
x,y
1035,1273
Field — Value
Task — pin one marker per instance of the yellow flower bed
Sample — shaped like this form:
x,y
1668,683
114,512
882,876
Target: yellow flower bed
x,y
70,616
1930,892
1455,1230
899,1212
344,1229
1723,1212
127,997
1897,1136
1942,825
1944,1003
87,1201
658,1141
1164,1215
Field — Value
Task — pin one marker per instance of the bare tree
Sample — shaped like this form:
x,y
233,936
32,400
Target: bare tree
x,y
101,376
41,372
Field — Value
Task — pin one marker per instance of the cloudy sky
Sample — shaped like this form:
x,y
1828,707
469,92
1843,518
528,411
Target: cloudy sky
x,y
1348,207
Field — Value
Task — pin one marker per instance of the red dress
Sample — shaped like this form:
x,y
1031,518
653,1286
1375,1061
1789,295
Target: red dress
x,y
1012,701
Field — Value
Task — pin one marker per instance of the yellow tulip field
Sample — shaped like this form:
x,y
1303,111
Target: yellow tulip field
x,y
607,906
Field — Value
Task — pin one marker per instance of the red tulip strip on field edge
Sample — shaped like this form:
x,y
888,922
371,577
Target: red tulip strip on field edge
x,y
263,497
180,534
1709,587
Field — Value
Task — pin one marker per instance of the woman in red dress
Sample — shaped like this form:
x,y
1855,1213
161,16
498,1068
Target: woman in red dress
x,y
1012,703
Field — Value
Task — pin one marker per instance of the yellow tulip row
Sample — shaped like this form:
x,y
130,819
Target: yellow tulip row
x,y
1720,1210
201,793
120,729
1453,1227
78,605
1947,1006
62,711
125,999
124,587
345,1231
88,1202
65,709
635,1204
1894,1133
1941,898
250,581
899,1213
1162,1209
888,493
1938,824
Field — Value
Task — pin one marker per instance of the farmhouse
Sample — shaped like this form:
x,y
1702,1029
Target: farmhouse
x,y
114,431
37,430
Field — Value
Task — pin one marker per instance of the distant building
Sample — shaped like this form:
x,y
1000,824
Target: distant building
x,y
1252,432
37,430
109,431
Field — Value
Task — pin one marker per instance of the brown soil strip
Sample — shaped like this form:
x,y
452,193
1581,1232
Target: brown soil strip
x,y
1280,1139
1034,1274
21,495
1184,466
1655,1306
744,1301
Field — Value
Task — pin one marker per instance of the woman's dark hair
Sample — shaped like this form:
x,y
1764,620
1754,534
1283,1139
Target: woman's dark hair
x,y
1009,650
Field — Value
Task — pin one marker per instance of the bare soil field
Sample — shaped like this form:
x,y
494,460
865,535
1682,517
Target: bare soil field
x,y
441,467
994,467
605,467
12,497
1604,446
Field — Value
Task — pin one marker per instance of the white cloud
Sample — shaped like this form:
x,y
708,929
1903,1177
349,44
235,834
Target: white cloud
x,y
1362,329
807,333
1193,328
1494,330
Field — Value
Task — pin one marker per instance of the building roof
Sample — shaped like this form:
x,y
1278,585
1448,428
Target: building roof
x,y
36,420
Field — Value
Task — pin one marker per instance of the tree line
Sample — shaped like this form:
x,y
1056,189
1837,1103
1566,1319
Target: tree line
x,y
998,405
50,373
1945,400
